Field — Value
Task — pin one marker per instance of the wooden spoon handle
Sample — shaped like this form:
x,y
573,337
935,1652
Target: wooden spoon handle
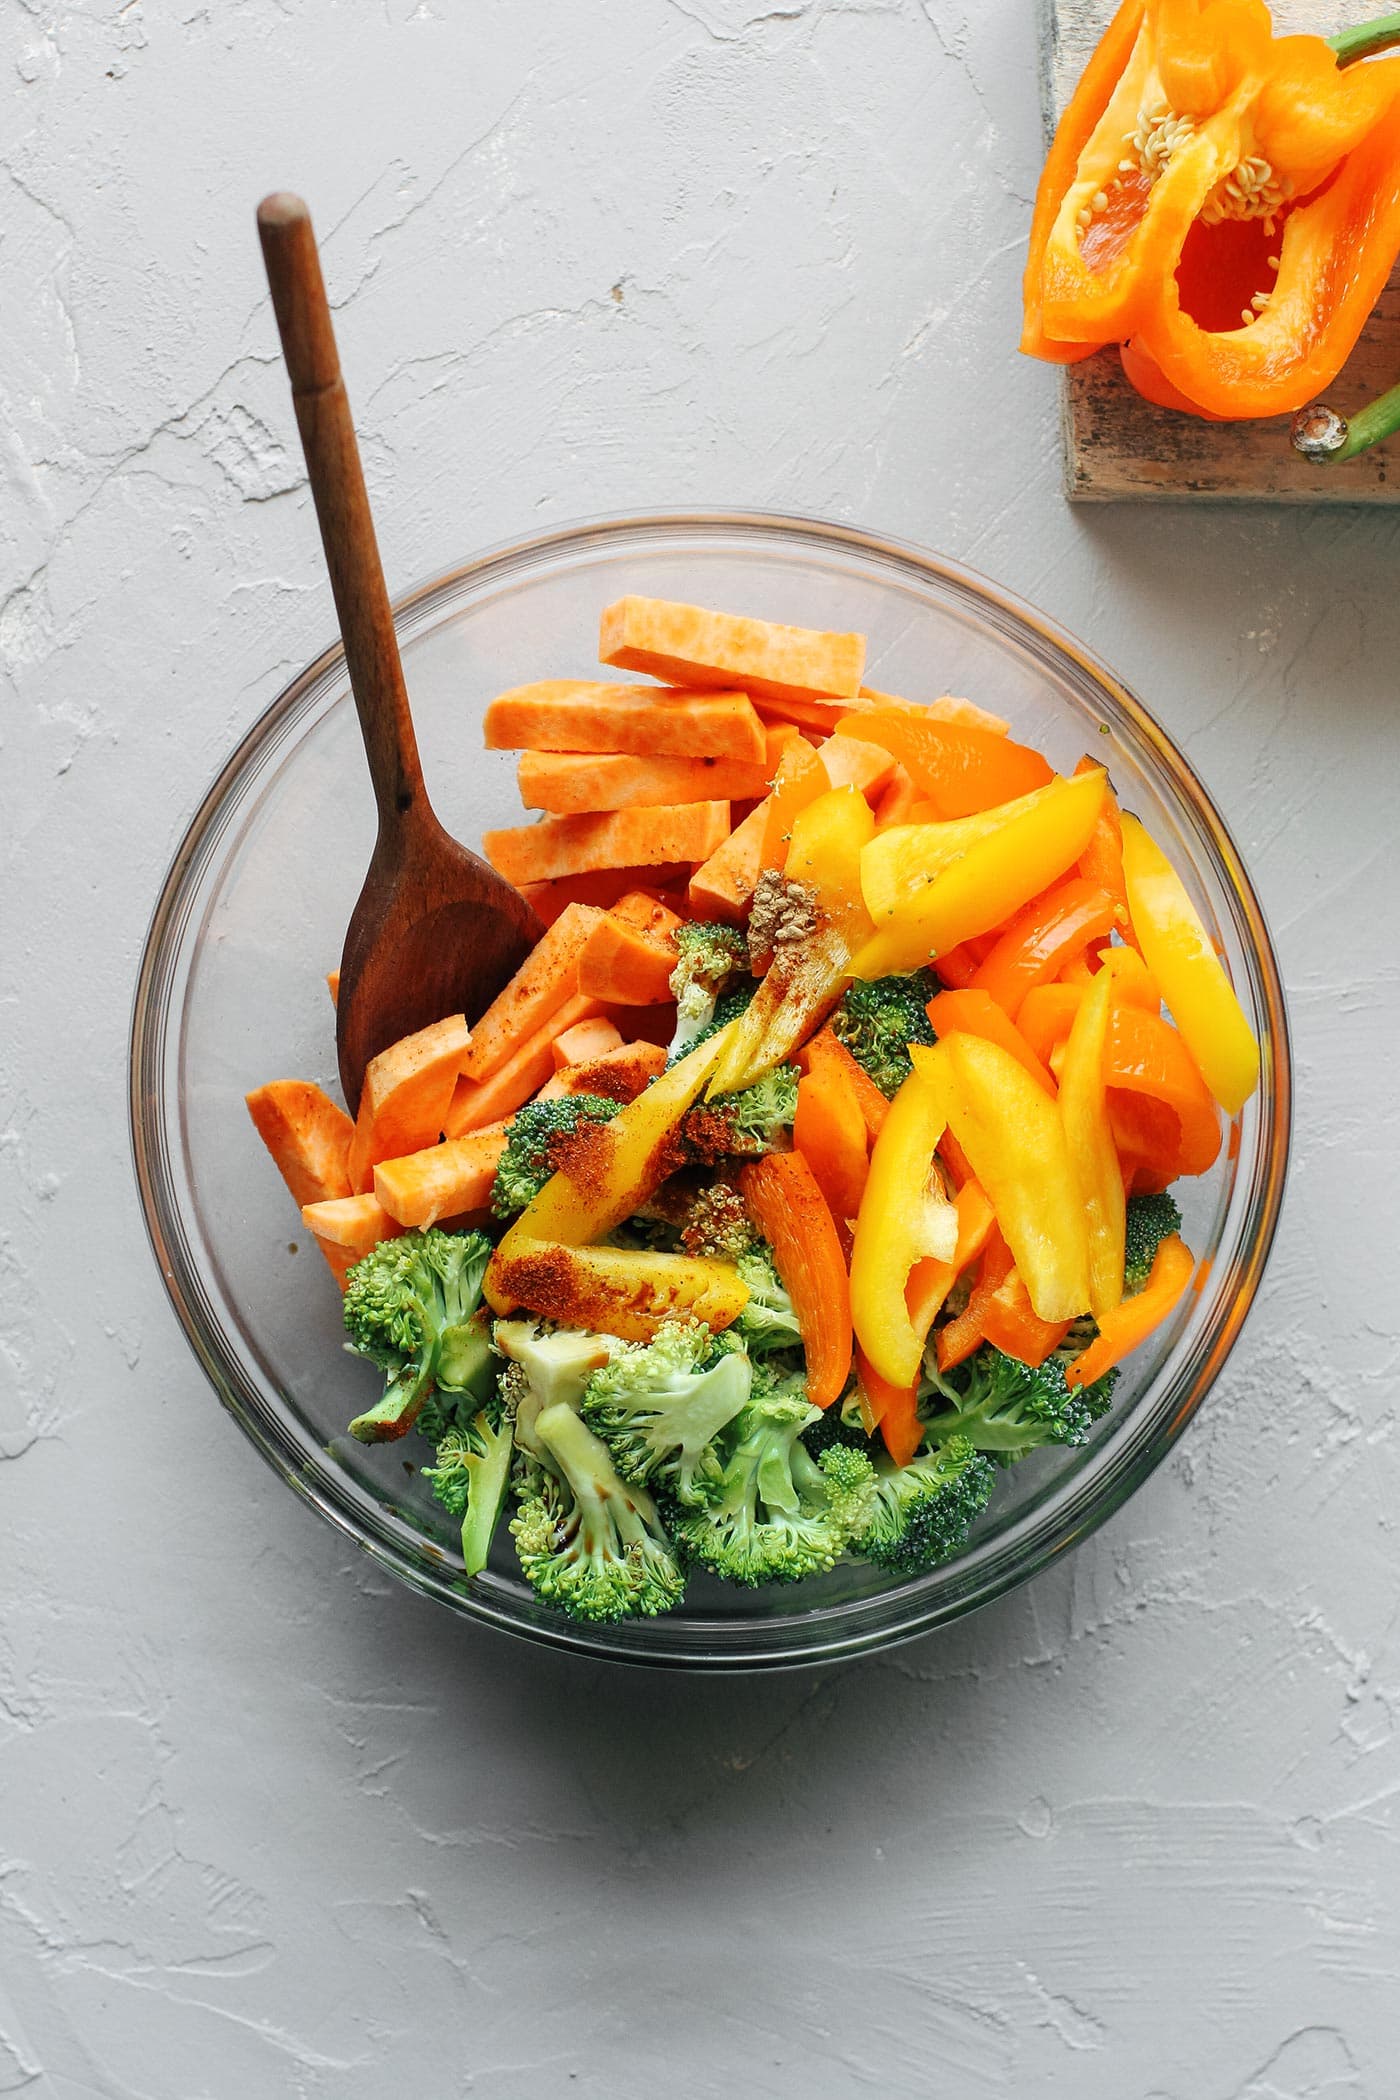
x,y
342,507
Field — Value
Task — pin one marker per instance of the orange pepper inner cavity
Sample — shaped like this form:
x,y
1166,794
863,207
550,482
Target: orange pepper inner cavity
x,y
1223,266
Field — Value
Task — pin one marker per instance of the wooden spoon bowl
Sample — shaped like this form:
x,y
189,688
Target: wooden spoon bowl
x,y
436,930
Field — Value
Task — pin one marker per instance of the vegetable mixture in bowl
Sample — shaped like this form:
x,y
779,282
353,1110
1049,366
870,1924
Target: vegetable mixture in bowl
x,y
807,1260
815,1166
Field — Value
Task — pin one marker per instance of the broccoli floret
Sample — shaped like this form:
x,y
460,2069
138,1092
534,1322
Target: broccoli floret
x,y
708,956
878,1020
924,1511
408,1308
537,1146
471,1477
659,1405
1151,1219
547,1367
756,1120
588,1542
777,1515
1007,1408
767,1321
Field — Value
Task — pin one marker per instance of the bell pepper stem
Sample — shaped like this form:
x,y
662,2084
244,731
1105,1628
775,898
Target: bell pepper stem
x,y
1326,438
1366,39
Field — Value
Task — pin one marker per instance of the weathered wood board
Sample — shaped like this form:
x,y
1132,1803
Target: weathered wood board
x,y
1118,446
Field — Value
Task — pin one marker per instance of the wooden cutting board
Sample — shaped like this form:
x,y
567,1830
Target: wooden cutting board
x,y
1119,446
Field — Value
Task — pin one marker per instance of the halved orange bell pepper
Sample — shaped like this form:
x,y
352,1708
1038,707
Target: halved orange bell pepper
x,y
1051,929
905,1215
1227,199
1201,118
1177,950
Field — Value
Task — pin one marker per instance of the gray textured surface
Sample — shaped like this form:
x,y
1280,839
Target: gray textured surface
x,y
269,1826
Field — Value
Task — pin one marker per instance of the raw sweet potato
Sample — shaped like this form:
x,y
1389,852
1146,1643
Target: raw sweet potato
x,y
625,966
584,1040
307,1135
696,647
333,986
722,887
477,1102
442,1181
617,838
405,1095
357,1222
647,721
550,900
618,1075
545,980
570,783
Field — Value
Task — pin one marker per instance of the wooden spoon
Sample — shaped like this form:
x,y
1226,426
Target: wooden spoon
x,y
436,931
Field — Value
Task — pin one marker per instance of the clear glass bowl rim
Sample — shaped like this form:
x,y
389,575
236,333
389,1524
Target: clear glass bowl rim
x,y
843,1631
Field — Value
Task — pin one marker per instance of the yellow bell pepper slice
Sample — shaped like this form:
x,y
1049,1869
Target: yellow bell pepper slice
x,y
1014,1140
1093,1155
1178,952
805,980
905,1215
615,1176
906,857
990,878
613,1290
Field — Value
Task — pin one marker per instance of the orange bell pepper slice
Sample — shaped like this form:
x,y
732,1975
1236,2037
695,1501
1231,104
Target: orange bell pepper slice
x,y
826,1049
1135,1319
1101,862
957,1340
959,768
1043,937
892,1409
1011,1323
1160,1106
976,1012
829,1131
786,1204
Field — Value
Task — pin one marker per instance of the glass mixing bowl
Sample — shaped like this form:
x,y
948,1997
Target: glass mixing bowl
x,y
232,992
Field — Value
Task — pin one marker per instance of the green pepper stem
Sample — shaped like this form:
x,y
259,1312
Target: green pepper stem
x,y
1366,39
1326,438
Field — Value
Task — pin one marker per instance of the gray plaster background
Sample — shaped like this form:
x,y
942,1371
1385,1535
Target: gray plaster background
x,y
271,1826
